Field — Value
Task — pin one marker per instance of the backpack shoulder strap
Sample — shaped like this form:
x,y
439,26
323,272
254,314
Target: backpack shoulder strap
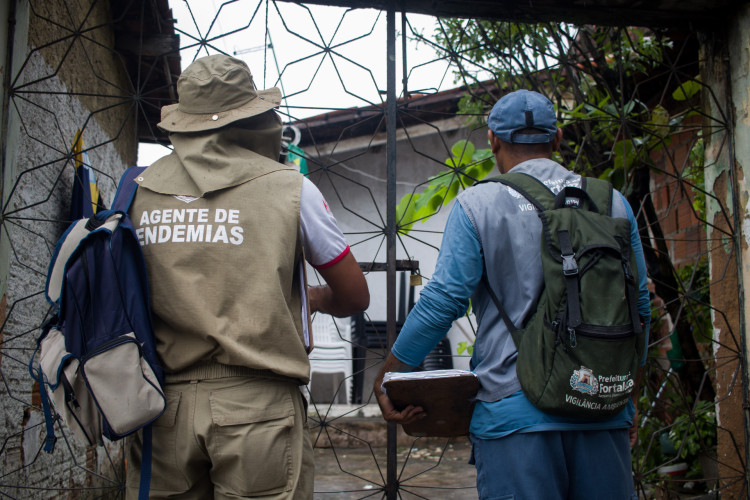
x,y
77,232
529,187
126,189
123,199
538,195
69,243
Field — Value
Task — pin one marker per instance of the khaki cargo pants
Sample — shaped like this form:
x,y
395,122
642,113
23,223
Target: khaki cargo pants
x,y
236,437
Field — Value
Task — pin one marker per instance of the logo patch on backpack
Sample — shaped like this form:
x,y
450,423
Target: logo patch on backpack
x,y
584,381
572,202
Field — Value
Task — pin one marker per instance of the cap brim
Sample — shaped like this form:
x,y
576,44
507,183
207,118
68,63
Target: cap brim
x,y
174,120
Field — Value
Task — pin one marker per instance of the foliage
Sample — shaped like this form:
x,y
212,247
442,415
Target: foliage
x,y
695,434
647,454
590,73
694,174
673,428
695,282
685,438
467,165
687,90
465,347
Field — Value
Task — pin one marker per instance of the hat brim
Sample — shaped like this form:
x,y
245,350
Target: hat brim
x,y
174,120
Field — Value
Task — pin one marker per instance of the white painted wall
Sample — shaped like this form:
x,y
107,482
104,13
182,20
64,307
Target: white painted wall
x,y
355,187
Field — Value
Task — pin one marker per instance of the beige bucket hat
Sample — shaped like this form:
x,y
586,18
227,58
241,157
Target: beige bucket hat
x,y
215,91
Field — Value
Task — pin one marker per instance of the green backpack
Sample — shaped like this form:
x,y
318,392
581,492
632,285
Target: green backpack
x,y
579,352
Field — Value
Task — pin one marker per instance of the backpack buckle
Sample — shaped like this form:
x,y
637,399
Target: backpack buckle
x,y
94,223
569,264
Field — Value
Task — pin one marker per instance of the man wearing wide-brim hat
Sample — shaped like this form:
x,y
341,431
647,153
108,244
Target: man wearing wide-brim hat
x,y
223,226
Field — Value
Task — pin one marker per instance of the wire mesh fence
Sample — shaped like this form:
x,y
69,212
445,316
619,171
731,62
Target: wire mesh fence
x,y
83,94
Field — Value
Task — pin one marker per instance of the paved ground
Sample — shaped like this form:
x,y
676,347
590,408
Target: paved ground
x,y
433,472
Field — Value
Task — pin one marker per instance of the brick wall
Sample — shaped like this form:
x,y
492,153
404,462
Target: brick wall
x,y
673,196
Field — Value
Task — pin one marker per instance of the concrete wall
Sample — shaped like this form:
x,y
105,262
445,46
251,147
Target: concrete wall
x,y
60,82
725,65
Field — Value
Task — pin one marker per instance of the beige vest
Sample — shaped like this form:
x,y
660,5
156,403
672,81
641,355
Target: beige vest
x,y
222,271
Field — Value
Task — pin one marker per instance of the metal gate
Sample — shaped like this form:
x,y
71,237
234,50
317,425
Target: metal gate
x,y
384,111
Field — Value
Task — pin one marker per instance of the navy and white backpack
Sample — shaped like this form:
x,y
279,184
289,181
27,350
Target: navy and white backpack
x,y
97,354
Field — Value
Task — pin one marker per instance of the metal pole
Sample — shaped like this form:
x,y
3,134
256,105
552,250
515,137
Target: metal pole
x,y
5,111
404,68
6,166
392,480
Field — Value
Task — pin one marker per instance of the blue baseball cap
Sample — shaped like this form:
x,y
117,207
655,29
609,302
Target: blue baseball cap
x,y
523,109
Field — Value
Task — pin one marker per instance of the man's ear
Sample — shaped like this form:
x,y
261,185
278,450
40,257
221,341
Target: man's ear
x,y
494,141
557,140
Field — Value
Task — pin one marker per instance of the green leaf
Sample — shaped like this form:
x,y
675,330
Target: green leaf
x,y
425,204
606,174
660,123
484,154
436,201
443,187
486,167
576,112
452,192
405,213
617,177
463,149
472,174
453,162
463,347
686,90
625,153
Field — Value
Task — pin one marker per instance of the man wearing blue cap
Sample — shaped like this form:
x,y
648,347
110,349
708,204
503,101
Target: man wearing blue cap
x,y
519,451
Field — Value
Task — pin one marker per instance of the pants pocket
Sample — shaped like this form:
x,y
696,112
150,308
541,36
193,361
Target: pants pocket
x,y
252,453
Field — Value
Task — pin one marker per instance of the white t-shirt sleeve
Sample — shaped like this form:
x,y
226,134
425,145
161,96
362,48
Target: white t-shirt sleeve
x,y
323,241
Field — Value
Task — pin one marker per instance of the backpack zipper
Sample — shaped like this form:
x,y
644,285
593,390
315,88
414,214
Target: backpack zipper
x,y
598,252
590,331
112,343
606,332
557,326
572,341
70,395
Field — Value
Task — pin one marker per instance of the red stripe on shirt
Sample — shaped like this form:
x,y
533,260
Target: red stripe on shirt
x,y
334,261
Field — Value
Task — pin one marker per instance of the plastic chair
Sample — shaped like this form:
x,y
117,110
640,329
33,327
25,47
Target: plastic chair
x,y
333,351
